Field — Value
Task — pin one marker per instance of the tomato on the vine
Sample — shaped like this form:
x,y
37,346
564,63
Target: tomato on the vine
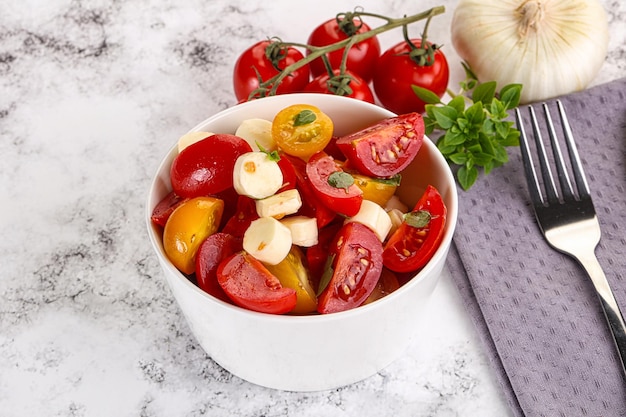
x,y
385,148
412,245
361,56
267,59
396,72
348,84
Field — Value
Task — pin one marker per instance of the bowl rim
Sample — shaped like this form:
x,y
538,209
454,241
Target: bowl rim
x,y
441,252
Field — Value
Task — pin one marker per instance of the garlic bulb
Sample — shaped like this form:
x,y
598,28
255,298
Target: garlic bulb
x,y
552,47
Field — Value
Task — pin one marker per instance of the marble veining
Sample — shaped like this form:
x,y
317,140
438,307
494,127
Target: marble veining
x,y
93,93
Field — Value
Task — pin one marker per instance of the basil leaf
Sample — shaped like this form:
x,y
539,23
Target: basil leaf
x,y
340,179
484,92
327,275
305,117
417,219
425,95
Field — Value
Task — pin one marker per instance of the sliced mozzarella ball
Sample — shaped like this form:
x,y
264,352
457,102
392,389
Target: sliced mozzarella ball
x,y
255,175
279,205
257,132
395,203
397,217
191,138
267,240
303,230
373,216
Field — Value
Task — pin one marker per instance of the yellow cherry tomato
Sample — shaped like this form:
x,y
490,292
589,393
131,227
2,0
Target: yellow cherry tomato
x,y
292,273
187,227
302,130
377,190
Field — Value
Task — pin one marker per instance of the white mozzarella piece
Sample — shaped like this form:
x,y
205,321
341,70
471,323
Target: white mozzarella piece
x,y
256,175
373,216
257,132
279,205
303,229
395,203
268,240
191,138
397,217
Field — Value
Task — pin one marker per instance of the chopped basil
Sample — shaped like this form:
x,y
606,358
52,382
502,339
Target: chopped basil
x,y
419,218
340,179
327,275
395,180
271,155
304,118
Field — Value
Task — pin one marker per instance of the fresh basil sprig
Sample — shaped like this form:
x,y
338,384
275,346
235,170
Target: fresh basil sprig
x,y
474,126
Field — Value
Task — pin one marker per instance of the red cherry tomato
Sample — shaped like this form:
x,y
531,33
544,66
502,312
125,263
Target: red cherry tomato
x,y
411,246
244,214
396,72
289,175
311,205
328,181
385,148
250,285
355,86
317,255
165,207
357,266
206,167
254,62
361,57
211,252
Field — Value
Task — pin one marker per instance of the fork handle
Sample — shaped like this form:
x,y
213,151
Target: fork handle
x,y
612,311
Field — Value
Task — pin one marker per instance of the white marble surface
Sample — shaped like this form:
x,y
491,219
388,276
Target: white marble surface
x,y
92,94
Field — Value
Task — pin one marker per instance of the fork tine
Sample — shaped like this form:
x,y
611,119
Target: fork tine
x,y
529,166
564,180
577,167
546,173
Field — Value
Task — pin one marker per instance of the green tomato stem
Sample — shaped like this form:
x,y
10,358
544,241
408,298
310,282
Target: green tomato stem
x,y
316,52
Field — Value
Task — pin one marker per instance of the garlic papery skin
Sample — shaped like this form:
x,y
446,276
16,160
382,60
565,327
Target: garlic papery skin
x,y
551,47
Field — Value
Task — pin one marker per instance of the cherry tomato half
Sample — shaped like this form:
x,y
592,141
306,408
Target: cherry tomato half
x,y
311,206
211,253
206,167
250,285
187,227
411,246
355,86
334,187
244,214
301,130
165,207
396,72
292,273
385,148
357,266
361,57
253,62
378,190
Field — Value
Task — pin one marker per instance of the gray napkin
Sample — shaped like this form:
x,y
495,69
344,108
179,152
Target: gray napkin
x,y
535,308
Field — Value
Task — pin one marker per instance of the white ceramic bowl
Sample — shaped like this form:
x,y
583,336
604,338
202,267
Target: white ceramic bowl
x,y
309,353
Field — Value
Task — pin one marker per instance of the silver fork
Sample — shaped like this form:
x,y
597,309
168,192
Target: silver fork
x,y
567,218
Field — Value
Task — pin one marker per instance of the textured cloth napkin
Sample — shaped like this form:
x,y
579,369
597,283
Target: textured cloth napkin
x,y
535,308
